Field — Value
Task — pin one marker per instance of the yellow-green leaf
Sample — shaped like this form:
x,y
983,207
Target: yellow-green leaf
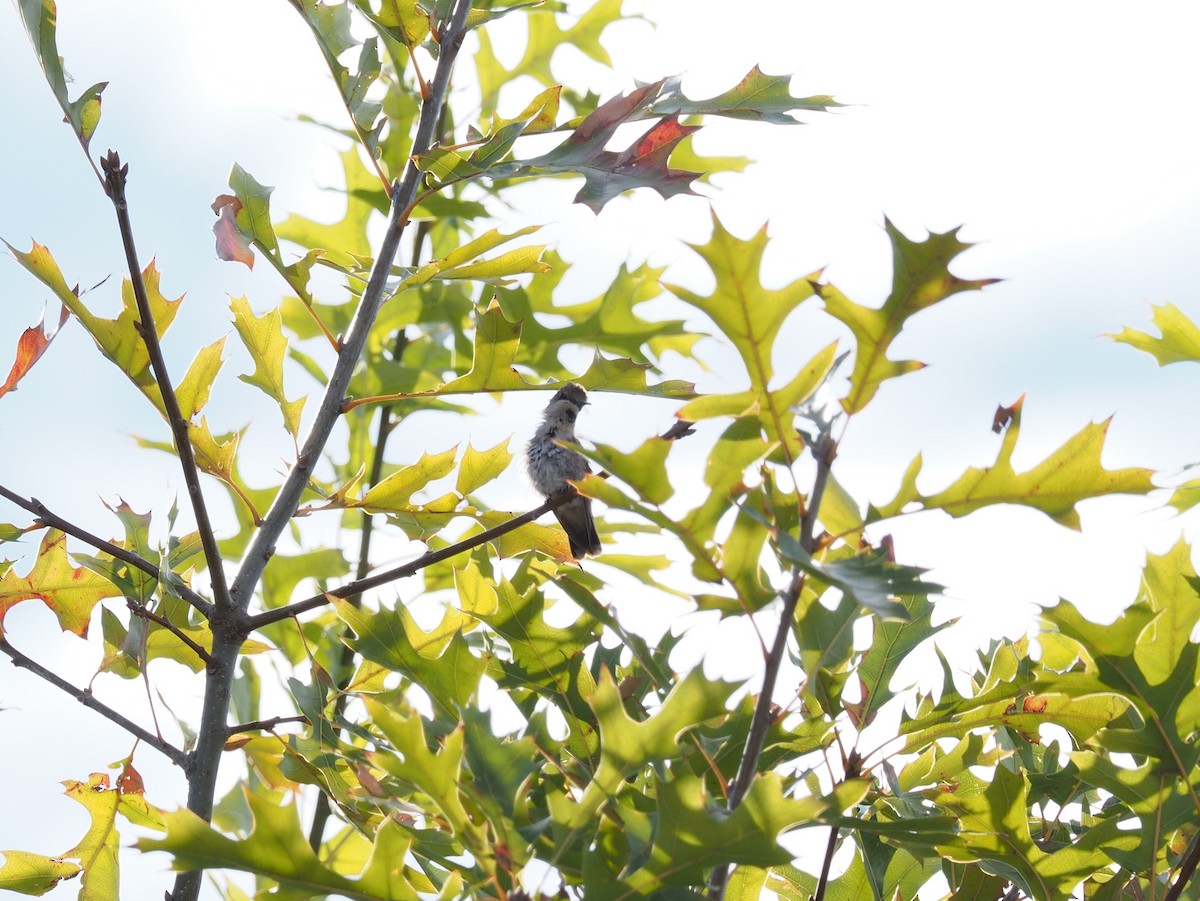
x,y
1180,341
396,491
34,874
263,337
97,850
1071,474
478,467
192,393
920,278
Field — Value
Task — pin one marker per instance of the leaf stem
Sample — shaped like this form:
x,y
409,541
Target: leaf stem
x,y
87,699
54,521
114,185
267,725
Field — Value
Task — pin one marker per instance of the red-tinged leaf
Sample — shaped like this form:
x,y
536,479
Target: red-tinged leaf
x,y
30,347
232,245
644,164
69,591
608,173
130,781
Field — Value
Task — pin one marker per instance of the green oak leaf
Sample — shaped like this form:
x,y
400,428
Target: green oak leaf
x,y
70,592
277,849
921,278
750,316
757,97
440,660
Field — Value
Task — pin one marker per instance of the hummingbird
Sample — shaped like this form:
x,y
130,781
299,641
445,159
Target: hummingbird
x,y
550,466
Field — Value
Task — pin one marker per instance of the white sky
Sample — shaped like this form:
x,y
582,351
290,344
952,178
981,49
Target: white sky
x,y
1062,137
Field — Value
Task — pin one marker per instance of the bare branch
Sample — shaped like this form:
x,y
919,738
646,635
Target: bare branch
x,y
87,699
408,569
114,185
54,521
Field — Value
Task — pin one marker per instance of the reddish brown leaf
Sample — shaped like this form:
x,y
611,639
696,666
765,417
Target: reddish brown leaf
x,y
232,244
130,781
30,347
608,173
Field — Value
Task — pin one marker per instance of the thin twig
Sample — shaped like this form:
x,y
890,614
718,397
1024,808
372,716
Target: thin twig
x,y
267,725
87,699
54,521
145,613
826,864
1187,867
408,569
114,185
263,545
824,452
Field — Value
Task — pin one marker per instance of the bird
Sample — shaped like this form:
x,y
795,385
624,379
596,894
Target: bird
x,y
550,465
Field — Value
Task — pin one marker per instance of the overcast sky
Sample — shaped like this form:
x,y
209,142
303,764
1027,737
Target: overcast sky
x,y
1062,137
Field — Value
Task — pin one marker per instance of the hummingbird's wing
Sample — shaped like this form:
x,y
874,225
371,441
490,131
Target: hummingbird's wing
x,y
575,516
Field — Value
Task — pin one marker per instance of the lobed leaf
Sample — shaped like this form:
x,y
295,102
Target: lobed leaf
x,y
921,278
70,592
1179,341
1071,474
263,338
277,849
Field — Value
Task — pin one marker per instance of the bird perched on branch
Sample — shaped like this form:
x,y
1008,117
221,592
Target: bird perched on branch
x,y
550,466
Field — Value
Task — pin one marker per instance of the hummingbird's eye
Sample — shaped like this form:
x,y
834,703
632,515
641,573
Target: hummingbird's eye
x,y
571,416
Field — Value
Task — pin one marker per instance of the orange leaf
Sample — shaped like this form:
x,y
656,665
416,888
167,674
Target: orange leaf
x,y
30,347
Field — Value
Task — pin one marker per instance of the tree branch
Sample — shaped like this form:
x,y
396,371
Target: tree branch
x,y
87,699
54,521
824,452
141,610
1186,869
114,185
263,546
408,569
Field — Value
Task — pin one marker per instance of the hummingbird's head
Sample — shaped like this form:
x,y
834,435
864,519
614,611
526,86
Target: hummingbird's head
x,y
572,393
